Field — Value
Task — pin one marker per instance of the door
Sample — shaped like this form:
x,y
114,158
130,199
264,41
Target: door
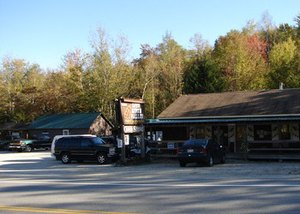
x,y
86,149
241,138
220,135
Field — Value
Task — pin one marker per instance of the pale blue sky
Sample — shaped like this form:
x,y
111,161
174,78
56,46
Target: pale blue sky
x,y
43,31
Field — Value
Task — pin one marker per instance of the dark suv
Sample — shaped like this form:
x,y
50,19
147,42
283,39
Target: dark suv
x,y
82,148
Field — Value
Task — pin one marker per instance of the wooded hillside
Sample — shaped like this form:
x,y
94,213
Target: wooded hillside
x,y
259,56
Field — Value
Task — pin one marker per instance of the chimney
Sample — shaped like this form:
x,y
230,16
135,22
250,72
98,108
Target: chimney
x,y
281,86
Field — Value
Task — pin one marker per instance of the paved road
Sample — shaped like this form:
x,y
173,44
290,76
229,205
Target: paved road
x,y
36,183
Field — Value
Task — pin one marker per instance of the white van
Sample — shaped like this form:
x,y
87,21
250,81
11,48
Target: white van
x,y
61,136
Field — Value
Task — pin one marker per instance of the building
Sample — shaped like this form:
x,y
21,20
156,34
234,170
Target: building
x,y
248,121
12,129
70,123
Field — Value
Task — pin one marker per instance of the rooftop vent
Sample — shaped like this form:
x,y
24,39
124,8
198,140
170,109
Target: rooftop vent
x,y
281,86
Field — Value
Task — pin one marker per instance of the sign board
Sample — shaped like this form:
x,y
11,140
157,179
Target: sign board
x,y
132,113
133,129
126,139
120,143
130,118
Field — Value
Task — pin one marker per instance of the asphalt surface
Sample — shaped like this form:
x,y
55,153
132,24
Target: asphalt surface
x,y
36,183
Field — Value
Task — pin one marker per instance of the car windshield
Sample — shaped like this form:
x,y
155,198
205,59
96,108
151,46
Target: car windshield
x,y
201,142
97,141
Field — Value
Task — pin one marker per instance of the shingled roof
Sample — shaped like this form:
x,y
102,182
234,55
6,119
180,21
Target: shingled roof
x,y
245,103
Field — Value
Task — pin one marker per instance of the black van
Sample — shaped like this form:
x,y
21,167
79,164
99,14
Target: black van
x,y
82,148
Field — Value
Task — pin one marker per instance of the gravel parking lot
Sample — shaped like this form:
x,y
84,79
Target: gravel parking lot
x,y
36,180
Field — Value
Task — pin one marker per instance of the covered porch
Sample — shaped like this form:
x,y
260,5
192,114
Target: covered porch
x,y
257,136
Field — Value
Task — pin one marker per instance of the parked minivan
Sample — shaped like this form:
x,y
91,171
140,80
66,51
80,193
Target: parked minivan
x,y
81,148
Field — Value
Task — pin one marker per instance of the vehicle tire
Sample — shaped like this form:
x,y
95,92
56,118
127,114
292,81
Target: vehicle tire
x,y
182,164
65,158
210,162
101,158
28,148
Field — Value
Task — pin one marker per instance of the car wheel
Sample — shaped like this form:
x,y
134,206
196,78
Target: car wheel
x,y
101,158
210,161
28,148
65,158
182,164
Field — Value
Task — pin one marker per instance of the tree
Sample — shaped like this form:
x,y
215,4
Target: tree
x,y
33,81
12,76
202,76
171,63
108,74
145,82
242,60
53,95
282,63
74,68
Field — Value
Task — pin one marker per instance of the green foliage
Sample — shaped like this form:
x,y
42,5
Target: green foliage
x,y
282,63
260,56
242,60
202,76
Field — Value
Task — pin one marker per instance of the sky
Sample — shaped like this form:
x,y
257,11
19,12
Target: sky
x,y
44,31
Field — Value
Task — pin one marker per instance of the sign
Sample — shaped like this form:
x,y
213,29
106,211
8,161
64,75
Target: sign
x,y
126,139
133,129
130,118
171,146
132,113
120,143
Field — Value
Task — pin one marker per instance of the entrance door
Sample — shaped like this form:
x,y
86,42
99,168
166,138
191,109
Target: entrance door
x,y
220,135
241,138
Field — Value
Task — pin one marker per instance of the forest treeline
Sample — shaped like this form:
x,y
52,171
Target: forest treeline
x,y
259,56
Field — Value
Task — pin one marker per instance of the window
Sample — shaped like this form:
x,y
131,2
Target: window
x,y
85,142
159,135
175,133
284,132
99,141
200,132
262,132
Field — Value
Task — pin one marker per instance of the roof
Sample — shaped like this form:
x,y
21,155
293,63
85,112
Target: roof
x,y
9,126
229,119
235,104
65,121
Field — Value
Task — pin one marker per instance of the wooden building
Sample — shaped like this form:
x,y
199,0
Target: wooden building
x,y
70,123
250,121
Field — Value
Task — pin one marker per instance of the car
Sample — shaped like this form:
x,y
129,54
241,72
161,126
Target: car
x,y
81,148
28,145
5,141
60,136
200,151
